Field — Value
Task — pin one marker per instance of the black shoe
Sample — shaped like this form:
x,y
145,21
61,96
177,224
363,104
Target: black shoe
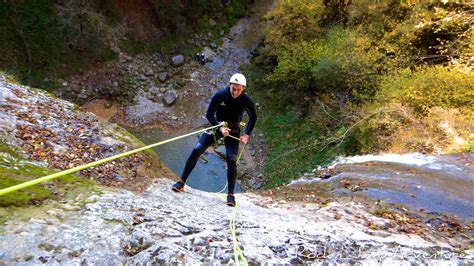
x,y
230,200
178,186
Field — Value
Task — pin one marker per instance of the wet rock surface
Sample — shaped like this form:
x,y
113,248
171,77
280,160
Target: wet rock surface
x,y
159,226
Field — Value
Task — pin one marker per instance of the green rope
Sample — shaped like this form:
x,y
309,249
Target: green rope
x,y
237,251
85,166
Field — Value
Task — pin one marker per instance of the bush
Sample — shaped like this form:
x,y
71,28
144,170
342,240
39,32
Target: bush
x,y
294,21
428,110
30,35
340,63
428,87
433,33
42,39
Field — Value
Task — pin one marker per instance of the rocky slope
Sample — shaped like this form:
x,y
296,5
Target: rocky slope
x,y
55,134
150,224
158,226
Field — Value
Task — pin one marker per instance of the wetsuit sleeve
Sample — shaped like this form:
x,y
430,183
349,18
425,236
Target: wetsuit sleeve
x,y
252,113
211,111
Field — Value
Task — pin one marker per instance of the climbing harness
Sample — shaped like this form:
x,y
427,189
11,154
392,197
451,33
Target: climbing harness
x,y
242,124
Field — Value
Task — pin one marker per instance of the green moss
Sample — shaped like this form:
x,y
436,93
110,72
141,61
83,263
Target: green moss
x,y
24,196
45,246
127,137
294,146
165,43
14,169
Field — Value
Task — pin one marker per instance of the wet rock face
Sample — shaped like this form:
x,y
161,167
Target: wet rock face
x,y
159,226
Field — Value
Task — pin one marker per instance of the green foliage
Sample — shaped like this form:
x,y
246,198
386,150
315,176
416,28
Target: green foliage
x,y
341,62
35,43
235,10
433,33
294,142
335,12
370,75
428,87
294,145
30,35
294,21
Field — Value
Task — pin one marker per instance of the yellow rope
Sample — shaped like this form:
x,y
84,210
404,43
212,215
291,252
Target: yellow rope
x,y
237,251
82,167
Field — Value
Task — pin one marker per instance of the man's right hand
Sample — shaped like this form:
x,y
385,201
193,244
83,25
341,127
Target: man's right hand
x,y
225,131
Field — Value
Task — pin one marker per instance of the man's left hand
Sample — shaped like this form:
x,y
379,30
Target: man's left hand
x,y
244,138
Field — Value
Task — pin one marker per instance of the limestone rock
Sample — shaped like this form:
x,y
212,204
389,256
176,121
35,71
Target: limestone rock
x,y
170,98
212,22
158,226
154,90
163,76
149,72
177,60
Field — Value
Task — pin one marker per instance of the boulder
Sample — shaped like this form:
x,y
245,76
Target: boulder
x,y
154,90
169,98
177,60
149,72
212,22
163,76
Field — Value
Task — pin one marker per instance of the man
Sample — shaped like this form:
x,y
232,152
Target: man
x,y
227,105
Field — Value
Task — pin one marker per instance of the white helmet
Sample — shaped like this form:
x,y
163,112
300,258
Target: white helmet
x,y
238,79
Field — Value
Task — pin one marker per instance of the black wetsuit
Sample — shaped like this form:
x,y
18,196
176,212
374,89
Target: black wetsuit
x,y
224,108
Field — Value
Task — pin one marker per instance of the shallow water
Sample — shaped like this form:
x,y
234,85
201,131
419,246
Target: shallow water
x,y
210,173
440,184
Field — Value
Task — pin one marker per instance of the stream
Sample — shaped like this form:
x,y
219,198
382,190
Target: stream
x,y
437,184
210,174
